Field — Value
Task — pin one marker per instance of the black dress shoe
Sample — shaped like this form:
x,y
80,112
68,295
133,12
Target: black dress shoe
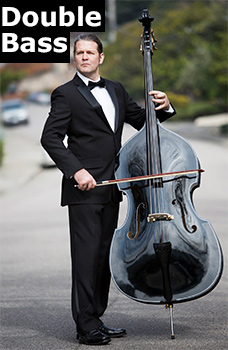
x,y
94,337
112,332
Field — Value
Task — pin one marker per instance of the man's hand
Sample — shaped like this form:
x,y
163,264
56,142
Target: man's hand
x,y
85,180
160,98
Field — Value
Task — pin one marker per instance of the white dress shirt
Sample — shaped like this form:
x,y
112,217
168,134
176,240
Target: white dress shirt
x,y
104,99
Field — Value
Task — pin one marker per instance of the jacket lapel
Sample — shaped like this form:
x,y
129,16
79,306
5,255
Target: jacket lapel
x,y
86,93
112,93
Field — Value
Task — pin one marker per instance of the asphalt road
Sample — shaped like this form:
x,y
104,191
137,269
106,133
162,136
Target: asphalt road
x,y
35,260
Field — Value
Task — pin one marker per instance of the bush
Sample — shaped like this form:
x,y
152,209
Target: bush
x,y
224,129
196,109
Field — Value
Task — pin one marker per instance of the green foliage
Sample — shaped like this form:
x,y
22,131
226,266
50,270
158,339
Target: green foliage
x,y
9,76
195,109
224,129
191,60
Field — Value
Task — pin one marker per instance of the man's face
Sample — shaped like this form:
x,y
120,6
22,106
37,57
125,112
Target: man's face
x,y
88,59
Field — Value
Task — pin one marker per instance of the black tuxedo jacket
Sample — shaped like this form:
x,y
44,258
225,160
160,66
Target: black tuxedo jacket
x,y
92,144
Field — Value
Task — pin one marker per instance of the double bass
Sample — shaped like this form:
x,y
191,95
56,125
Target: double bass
x,y
164,253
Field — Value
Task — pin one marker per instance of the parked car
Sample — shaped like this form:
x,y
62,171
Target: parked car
x,y
14,112
39,97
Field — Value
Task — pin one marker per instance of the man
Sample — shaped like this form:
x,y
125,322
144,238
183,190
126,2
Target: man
x,y
92,117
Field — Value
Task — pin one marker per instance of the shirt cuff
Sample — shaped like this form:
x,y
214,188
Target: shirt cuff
x,y
170,110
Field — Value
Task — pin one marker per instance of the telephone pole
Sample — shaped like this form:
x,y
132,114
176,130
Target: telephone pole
x,y
112,21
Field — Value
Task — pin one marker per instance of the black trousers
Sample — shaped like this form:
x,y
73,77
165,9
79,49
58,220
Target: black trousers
x,y
91,231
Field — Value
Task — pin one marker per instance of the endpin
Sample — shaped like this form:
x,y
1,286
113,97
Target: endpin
x,y
170,307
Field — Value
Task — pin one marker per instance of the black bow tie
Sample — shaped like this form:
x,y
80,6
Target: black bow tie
x,y
100,83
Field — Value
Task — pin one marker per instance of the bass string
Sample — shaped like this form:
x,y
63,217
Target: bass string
x,y
157,187
153,153
148,132
149,137
149,140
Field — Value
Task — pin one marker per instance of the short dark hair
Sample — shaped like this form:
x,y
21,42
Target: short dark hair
x,y
89,37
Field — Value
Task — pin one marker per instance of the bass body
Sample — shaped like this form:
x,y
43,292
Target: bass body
x,y
158,213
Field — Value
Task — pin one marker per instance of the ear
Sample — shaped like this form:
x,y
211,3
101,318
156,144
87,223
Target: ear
x,y
102,56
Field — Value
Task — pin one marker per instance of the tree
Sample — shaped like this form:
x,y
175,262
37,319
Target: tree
x,y
191,60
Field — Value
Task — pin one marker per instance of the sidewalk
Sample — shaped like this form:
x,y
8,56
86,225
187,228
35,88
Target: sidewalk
x,y
203,128
21,162
212,120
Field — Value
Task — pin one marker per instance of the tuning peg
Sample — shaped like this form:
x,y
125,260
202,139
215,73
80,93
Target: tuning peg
x,y
140,46
153,40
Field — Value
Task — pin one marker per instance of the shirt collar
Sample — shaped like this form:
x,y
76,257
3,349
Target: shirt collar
x,y
85,79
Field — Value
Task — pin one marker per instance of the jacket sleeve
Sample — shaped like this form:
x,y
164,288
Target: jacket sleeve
x,y
54,132
163,115
136,115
